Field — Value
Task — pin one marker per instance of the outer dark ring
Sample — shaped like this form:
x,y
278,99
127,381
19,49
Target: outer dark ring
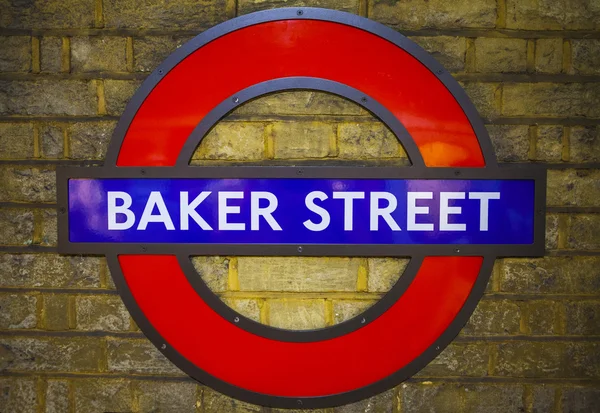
x,y
213,118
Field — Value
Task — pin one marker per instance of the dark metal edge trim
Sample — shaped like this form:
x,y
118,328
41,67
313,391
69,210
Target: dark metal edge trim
x,y
304,402
300,13
184,171
301,83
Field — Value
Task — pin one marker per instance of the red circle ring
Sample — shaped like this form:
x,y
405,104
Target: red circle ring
x,y
324,45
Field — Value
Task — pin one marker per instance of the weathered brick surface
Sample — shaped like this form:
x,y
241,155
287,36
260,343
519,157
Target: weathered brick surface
x,y
573,187
530,359
56,354
500,55
118,93
49,227
95,54
583,317
233,141
428,397
551,15
496,399
486,97
137,356
549,144
583,360
551,99
57,396
248,308
249,6
345,310
554,275
48,270
293,140
382,403
459,359
15,54
214,271
16,226
150,51
214,402
46,14
299,103
580,399
494,317
27,184
51,54
52,140
17,395
366,140
297,314
165,396
16,140
55,311
384,272
48,97
17,311
548,55
542,317
103,395
511,142
449,51
586,56
585,144
183,14
440,14
297,274
89,140
107,313
583,232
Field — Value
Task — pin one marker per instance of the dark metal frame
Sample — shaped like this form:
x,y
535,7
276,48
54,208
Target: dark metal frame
x,y
520,172
417,170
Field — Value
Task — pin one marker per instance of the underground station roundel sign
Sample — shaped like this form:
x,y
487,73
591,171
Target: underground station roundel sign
x,y
453,211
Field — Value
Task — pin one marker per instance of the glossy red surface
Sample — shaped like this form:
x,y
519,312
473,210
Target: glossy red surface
x,y
319,368
300,48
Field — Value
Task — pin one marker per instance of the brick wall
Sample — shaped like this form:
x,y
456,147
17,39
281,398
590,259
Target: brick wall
x,y
67,344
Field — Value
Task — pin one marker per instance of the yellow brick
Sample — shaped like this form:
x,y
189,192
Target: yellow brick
x,y
345,310
384,272
295,140
368,140
294,314
500,55
233,141
300,274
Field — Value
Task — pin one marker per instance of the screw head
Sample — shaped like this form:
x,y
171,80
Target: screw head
x,y
236,320
62,210
300,12
299,249
235,99
164,346
364,99
363,321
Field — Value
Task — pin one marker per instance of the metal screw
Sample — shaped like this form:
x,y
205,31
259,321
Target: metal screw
x,y
456,173
457,250
143,171
144,249
62,210
364,99
235,99
299,249
437,348
160,71
299,171
164,346
363,321
299,402
440,71
236,320
300,12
